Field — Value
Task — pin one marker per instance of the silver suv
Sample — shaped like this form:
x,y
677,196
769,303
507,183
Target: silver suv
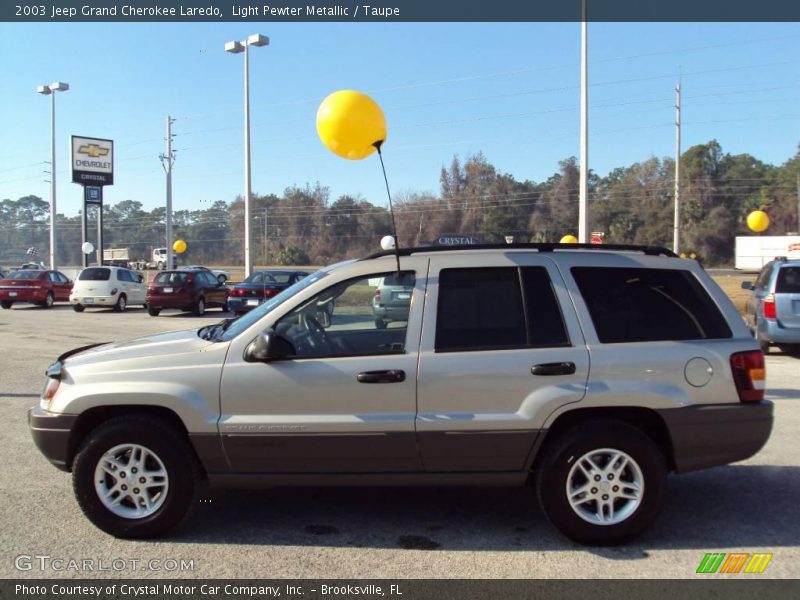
x,y
588,372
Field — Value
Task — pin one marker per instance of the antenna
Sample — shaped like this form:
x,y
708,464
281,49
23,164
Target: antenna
x,y
391,208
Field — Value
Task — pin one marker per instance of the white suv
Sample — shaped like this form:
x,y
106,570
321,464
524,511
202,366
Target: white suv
x,y
588,372
112,287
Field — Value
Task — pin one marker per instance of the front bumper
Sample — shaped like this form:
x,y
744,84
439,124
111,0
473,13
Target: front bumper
x,y
717,434
51,433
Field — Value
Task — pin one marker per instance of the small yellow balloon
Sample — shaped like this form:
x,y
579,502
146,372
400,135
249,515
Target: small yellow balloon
x,y
349,123
758,221
179,246
568,239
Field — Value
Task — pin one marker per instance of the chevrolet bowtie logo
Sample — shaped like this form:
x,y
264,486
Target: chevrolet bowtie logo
x,y
93,150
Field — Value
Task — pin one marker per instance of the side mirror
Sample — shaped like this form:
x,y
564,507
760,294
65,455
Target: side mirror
x,y
268,347
747,285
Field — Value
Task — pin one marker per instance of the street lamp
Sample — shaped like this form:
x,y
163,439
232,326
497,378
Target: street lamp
x,y
235,48
50,90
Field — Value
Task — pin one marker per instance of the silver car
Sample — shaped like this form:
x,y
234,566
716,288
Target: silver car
x,y
590,373
773,309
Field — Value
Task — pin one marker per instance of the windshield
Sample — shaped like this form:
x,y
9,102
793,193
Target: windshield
x,y
25,275
95,274
234,328
260,278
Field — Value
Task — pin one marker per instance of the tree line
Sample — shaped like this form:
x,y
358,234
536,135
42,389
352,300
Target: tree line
x,y
631,204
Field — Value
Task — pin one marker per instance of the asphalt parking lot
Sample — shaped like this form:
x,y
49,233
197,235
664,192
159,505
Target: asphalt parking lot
x,y
372,533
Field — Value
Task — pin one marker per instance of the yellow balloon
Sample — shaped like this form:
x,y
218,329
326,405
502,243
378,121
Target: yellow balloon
x,y
179,246
349,123
758,221
568,239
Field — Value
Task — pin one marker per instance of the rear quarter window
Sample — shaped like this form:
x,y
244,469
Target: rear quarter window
x,y
788,281
648,305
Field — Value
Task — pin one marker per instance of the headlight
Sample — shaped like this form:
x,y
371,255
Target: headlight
x,y
50,391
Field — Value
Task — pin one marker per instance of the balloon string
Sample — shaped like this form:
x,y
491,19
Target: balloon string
x,y
391,208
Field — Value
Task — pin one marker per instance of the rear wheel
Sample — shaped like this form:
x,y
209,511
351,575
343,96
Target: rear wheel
x,y
792,349
6,303
153,312
48,300
602,483
122,303
78,307
135,477
221,278
200,307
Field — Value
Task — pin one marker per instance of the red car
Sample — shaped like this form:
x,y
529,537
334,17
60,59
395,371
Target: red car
x,y
189,291
34,286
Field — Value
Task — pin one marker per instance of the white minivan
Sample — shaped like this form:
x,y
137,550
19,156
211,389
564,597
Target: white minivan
x,y
109,287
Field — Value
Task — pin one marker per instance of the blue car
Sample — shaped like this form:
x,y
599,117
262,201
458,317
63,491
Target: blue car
x,y
773,309
259,287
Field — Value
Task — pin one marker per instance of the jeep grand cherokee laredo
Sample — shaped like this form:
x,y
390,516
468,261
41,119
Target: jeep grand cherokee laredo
x,y
590,373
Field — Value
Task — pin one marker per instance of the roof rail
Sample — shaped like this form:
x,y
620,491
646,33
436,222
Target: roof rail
x,y
541,247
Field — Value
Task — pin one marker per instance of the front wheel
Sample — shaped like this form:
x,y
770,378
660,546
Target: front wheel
x,y
135,477
602,483
6,303
122,303
153,312
48,300
78,307
222,279
200,307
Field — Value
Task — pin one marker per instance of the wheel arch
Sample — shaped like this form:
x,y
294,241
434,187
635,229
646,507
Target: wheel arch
x,y
644,419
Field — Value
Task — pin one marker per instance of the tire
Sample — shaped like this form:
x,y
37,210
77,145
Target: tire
x,y
380,324
153,312
601,440
48,300
122,303
199,308
764,345
78,307
123,438
222,279
6,303
791,349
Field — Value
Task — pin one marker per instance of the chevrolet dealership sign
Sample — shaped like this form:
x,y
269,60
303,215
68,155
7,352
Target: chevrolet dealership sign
x,y
92,161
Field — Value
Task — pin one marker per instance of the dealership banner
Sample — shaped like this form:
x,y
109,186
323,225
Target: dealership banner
x,y
395,589
43,11
92,161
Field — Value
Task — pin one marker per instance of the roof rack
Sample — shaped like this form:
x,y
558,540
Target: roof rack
x,y
541,247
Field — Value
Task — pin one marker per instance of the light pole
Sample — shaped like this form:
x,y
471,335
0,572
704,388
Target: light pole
x,y
50,90
235,48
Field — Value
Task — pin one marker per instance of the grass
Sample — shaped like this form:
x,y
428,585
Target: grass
x,y
732,286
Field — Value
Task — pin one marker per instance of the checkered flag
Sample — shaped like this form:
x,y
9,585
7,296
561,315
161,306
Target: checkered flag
x,y
32,251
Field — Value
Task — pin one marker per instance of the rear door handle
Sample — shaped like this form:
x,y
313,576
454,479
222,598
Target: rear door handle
x,y
392,376
557,368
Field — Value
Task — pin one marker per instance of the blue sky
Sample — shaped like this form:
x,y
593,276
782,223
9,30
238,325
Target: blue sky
x,y
509,90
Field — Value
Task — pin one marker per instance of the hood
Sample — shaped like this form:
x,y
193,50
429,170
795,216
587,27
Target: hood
x,y
144,349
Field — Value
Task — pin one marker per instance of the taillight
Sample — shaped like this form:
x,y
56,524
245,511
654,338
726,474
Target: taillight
x,y
50,391
270,292
749,375
237,292
769,307
377,296
190,278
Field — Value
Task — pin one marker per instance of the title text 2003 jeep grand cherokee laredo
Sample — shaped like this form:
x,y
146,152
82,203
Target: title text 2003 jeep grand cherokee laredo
x,y
591,373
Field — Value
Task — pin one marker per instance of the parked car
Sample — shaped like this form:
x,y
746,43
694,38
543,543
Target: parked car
x,y
222,276
261,286
589,372
773,309
189,291
392,299
35,286
108,287
35,266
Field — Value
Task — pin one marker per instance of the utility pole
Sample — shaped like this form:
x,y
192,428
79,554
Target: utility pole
x,y
583,202
167,160
676,226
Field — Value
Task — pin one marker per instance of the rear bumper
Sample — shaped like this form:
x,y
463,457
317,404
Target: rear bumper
x,y
239,304
772,330
22,295
96,300
717,434
168,301
51,432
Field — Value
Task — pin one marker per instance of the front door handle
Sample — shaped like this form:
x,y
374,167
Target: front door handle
x,y
557,368
392,376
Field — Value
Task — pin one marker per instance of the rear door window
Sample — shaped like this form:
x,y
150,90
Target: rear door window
x,y
788,281
646,305
497,308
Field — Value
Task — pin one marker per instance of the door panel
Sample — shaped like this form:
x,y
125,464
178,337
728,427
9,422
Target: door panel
x,y
310,414
482,409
